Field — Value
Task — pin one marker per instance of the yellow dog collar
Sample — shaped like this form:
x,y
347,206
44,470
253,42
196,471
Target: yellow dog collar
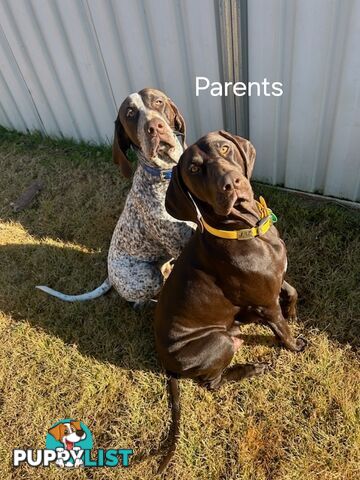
x,y
267,218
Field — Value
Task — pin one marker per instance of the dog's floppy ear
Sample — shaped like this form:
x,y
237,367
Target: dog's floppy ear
x,y
246,149
121,143
76,424
178,203
178,119
57,432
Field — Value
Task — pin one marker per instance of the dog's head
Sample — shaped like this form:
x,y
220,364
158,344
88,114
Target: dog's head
x,y
216,171
150,121
68,433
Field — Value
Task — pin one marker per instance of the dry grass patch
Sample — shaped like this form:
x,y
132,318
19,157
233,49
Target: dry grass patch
x,y
95,361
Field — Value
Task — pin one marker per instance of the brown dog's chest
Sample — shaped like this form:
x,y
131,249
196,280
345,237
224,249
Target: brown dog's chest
x,y
249,272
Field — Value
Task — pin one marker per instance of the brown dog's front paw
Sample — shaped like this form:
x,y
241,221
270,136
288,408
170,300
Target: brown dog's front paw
x,y
166,268
301,344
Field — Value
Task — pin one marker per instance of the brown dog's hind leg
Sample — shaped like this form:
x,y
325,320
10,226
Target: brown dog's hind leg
x,y
275,320
214,371
234,374
246,370
288,301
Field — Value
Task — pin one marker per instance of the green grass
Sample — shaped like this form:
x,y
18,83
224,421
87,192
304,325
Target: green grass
x,y
95,361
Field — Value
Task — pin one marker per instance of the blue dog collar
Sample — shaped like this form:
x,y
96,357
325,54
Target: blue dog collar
x,y
157,172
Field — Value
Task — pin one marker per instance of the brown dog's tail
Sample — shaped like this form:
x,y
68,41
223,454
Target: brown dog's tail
x,y
173,384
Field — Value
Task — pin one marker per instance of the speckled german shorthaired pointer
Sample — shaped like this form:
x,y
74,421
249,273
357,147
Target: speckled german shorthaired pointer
x,y
149,126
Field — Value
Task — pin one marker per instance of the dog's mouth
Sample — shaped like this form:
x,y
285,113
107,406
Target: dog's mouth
x,y
69,445
166,151
225,205
237,203
163,147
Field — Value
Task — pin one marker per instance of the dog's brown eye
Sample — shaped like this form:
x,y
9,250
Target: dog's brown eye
x,y
194,169
158,102
130,112
224,149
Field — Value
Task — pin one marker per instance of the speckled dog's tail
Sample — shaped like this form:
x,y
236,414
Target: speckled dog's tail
x,y
104,287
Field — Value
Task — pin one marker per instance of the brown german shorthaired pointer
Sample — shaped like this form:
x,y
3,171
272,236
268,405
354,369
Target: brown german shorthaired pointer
x,y
231,271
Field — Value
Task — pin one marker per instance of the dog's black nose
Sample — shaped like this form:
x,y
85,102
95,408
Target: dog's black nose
x,y
80,433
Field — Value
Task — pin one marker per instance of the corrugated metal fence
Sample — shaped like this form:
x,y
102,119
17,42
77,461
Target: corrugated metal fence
x,y
309,138
66,65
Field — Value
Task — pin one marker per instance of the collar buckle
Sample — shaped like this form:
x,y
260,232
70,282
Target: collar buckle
x,y
163,175
244,234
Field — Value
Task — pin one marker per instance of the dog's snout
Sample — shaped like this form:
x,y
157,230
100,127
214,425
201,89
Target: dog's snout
x,y
229,181
80,433
155,126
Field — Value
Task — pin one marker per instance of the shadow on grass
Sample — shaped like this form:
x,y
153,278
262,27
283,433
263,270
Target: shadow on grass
x,y
107,329
83,192
81,203
110,330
